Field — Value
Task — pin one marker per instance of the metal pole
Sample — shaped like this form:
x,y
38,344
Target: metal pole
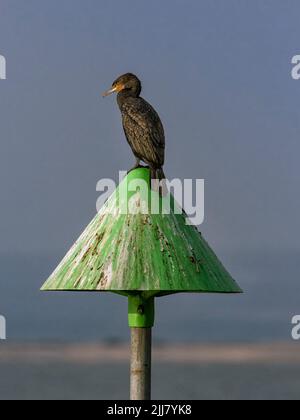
x,y
140,375
141,320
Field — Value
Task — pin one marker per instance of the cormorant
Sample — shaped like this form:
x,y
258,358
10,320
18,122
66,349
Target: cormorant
x,y
143,128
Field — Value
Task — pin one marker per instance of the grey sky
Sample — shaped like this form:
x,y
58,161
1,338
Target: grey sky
x,y
219,73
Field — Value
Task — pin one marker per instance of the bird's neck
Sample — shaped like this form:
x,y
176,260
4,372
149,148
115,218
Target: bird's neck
x,y
124,95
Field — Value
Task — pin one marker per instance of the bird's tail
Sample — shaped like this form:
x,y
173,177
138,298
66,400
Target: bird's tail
x,y
158,181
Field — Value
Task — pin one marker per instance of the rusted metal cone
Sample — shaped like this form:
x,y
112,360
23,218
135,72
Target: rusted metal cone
x,y
141,246
127,249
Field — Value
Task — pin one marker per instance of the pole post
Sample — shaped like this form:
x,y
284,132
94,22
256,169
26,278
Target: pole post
x,y
141,321
140,370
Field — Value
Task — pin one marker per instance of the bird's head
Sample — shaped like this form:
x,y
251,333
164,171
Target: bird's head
x,y
128,83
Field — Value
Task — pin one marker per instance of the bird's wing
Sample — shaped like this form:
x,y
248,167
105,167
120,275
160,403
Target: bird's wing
x,y
144,130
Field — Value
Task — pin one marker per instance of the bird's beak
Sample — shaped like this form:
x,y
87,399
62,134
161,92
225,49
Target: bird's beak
x,y
110,92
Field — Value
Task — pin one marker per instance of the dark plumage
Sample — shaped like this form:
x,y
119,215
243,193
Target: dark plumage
x,y
143,128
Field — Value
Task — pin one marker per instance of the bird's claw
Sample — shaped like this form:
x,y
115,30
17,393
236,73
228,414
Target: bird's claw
x,y
134,168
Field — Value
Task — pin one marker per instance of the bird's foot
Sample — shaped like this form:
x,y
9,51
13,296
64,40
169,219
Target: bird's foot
x,y
137,166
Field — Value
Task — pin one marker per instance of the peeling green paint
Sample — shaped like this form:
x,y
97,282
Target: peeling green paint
x,y
129,253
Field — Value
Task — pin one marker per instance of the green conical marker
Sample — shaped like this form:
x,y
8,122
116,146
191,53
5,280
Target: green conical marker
x,y
159,254
141,255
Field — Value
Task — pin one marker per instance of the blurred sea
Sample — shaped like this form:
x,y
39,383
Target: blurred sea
x,y
67,381
262,315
